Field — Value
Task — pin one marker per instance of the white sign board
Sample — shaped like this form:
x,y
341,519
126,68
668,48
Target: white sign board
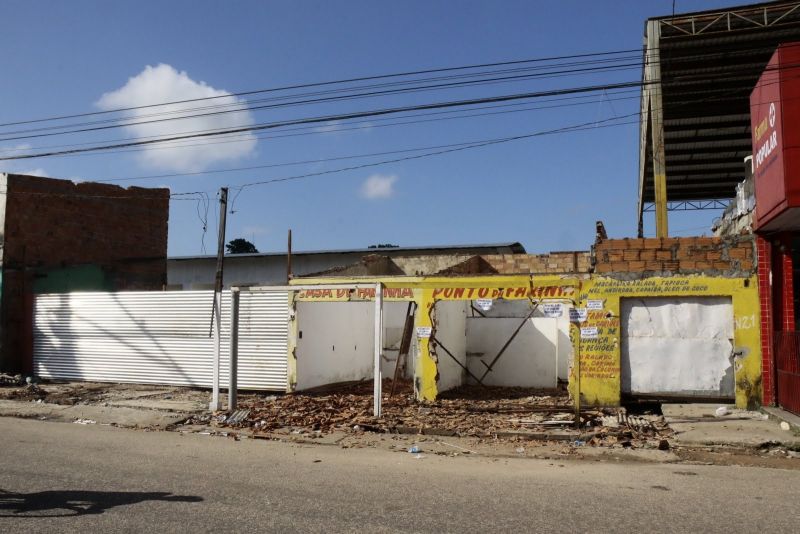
x,y
589,332
594,304
484,304
424,331
553,309
577,315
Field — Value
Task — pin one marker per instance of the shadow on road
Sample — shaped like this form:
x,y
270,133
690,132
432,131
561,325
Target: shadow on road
x,y
73,503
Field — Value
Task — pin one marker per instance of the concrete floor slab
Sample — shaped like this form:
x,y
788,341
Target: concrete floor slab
x,y
170,405
780,414
696,424
119,416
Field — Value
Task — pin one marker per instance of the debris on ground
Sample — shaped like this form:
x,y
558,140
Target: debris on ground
x,y
11,380
31,392
514,414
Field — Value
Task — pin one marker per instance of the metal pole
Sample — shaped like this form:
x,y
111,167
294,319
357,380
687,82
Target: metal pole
x,y
578,376
216,312
223,210
215,404
234,359
653,64
289,258
378,349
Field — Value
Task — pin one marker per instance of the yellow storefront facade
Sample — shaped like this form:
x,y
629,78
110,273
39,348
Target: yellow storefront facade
x,y
593,304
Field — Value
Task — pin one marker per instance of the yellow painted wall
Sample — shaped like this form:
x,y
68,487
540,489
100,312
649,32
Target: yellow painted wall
x,y
598,376
426,291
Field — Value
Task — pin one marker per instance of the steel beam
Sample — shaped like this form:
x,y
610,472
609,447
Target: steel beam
x,y
691,205
377,377
653,68
233,369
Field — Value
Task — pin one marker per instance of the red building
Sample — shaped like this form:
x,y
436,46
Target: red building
x,y
775,129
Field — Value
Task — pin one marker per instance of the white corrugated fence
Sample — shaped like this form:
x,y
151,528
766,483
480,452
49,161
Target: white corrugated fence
x,y
159,338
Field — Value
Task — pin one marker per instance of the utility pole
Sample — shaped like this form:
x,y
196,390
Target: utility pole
x,y
216,310
289,258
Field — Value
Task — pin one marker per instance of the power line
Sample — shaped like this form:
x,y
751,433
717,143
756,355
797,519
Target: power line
x,y
328,99
175,144
490,142
193,195
328,118
315,130
248,103
412,89
324,83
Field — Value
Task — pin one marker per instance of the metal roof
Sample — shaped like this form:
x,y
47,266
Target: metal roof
x,y
514,246
709,62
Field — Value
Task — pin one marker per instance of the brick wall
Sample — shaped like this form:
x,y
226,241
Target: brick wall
x,y
552,263
764,255
52,224
676,255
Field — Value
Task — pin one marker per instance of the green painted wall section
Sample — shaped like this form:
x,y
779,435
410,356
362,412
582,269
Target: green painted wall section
x,y
76,278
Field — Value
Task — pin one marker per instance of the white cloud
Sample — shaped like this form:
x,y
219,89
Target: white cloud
x,y
330,126
15,150
35,172
378,186
163,83
19,166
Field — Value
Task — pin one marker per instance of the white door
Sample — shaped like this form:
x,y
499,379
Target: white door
x,y
677,346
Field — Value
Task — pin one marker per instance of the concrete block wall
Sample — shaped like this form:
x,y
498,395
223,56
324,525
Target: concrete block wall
x,y
676,255
54,224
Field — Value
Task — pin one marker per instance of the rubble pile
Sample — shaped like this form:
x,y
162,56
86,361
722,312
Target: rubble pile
x,y
29,392
466,411
11,380
469,411
630,431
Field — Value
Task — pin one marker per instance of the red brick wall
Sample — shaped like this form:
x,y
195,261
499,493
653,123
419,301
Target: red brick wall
x,y
764,255
50,224
787,284
683,255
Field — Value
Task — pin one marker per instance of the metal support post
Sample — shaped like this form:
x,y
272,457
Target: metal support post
x,y
234,356
216,309
377,388
653,67
215,404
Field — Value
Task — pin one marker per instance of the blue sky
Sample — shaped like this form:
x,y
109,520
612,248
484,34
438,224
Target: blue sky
x,y
63,57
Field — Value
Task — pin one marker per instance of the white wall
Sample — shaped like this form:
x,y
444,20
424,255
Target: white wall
x,y
334,342
677,345
451,331
394,316
531,360
337,342
520,309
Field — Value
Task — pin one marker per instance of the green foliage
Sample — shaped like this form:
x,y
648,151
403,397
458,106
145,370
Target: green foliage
x,y
240,246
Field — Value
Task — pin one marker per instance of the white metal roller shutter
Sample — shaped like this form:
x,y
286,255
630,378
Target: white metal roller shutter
x,y
677,346
157,338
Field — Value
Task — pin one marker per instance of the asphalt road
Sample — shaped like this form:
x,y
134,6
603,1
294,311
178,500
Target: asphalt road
x,y
62,477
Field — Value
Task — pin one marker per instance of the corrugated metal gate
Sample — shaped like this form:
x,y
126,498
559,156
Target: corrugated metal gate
x,y
158,338
787,360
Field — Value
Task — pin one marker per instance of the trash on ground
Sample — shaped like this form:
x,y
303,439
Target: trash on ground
x,y
85,422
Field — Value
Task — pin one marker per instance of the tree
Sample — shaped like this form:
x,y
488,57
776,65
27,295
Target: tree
x,y
240,246
384,245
